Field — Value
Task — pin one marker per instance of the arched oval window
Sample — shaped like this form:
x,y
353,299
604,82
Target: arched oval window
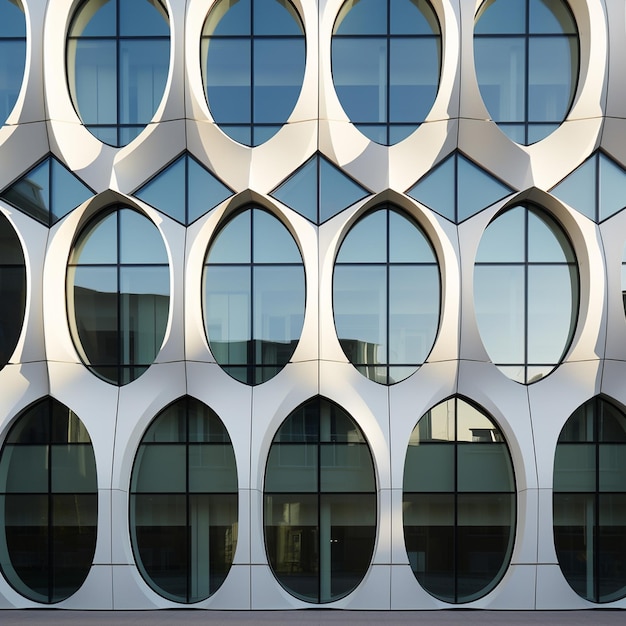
x,y
183,503
118,56
12,290
118,294
253,59
526,292
49,503
459,510
12,54
386,60
320,503
525,95
386,296
589,495
254,293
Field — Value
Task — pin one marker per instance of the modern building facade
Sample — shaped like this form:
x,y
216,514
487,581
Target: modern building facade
x,y
312,303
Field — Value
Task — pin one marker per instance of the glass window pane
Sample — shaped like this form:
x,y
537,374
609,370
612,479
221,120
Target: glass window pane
x,y
228,75
429,467
160,468
366,242
12,60
413,313
500,69
212,468
575,467
143,18
497,17
292,542
275,17
550,16
360,305
26,469
278,74
499,300
409,244
142,76
346,468
272,241
429,536
546,240
95,79
364,17
292,467
574,519
503,240
98,245
360,77
611,546
484,467
612,467
227,312
551,312
140,239
484,542
550,84
73,468
413,78
412,17
232,244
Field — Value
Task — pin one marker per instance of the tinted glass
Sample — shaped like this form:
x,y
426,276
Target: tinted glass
x,y
12,289
118,59
48,495
12,54
459,502
386,63
253,58
527,97
526,292
590,501
183,503
320,503
118,290
386,296
254,294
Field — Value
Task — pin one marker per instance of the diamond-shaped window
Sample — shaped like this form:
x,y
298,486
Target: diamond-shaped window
x,y
184,190
319,190
458,188
47,192
597,188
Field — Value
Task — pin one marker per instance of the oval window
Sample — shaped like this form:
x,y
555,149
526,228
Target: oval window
x,y
253,59
320,503
118,294
12,54
386,296
254,293
459,506
118,56
527,97
526,290
386,59
12,290
590,501
49,496
183,502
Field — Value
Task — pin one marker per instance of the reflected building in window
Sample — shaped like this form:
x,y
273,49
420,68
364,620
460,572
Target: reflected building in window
x,y
312,304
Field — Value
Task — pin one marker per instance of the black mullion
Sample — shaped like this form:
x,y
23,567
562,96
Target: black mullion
x,y
526,78
526,212
50,507
252,29
387,102
596,526
455,534
597,189
319,507
117,79
120,339
388,272
456,188
187,503
251,365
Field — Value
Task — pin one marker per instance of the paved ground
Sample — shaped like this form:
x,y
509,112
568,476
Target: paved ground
x,y
311,617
